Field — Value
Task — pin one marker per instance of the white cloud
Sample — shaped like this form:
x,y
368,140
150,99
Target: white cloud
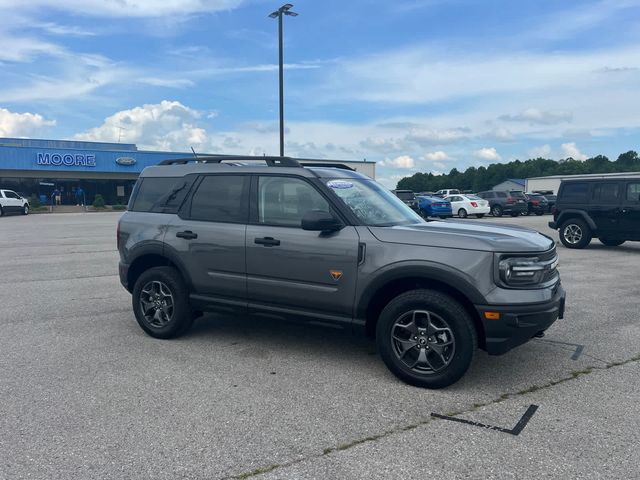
x,y
65,30
168,125
488,153
403,161
437,156
535,116
542,151
25,49
571,150
22,124
124,8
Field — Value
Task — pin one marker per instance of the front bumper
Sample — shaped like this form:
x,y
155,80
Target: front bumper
x,y
553,225
123,271
519,323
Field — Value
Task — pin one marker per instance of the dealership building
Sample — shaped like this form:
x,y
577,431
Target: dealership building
x,y
38,167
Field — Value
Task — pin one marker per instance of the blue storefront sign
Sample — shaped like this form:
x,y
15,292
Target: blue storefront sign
x,y
67,160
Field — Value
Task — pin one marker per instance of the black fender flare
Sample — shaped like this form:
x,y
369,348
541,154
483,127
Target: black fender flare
x,y
158,248
575,212
426,270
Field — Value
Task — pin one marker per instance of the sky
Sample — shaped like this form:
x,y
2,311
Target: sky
x,y
415,85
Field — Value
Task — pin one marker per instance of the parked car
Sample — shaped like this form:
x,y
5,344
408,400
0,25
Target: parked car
x,y
408,197
465,205
536,204
607,209
549,196
514,203
331,245
434,207
11,202
446,192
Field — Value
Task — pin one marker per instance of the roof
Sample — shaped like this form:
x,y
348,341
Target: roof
x,y
519,181
588,175
235,165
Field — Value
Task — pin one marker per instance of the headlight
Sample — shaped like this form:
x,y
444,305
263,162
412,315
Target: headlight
x,y
528,271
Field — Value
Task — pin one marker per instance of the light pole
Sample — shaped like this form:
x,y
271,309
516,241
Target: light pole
x,y
283,10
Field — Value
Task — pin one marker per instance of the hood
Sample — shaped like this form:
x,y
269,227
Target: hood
x,y
466,235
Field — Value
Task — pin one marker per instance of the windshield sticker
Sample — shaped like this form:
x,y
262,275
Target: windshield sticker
x,y
339,184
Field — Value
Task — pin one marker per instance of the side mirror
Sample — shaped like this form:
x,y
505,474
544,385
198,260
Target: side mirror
x,y
320,221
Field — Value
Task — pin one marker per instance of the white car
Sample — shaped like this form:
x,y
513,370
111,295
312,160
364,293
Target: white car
x,y
11,202
446,192
465,205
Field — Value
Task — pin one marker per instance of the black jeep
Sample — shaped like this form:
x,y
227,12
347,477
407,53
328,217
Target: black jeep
x,y
606,208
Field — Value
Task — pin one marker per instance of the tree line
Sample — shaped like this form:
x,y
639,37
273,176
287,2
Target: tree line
x,y
484,178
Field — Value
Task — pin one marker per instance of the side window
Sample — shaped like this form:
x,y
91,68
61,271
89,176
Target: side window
x,y
575,192
284,201
220,198
633,192
10,194
501,194
606,193
153,191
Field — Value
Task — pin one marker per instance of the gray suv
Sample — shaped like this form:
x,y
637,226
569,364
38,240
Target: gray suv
x,y
330,245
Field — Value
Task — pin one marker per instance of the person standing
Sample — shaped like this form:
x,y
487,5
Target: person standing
x,y
56,197
79,197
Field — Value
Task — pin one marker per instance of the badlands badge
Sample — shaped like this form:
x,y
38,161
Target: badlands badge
x,y
336,274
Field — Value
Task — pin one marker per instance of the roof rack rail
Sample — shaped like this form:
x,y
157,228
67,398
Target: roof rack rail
x,y
327,164
270,161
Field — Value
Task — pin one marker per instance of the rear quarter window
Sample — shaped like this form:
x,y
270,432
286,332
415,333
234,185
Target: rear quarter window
x,y
501,194
160,194
575,192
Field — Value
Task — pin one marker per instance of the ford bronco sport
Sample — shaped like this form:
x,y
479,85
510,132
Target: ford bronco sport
x,y
331,245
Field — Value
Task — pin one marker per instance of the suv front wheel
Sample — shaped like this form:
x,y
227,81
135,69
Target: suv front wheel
x,y
161,303
426,338
575,233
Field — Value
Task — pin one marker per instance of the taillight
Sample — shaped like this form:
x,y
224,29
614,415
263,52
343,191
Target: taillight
x,y
474,204
553,210
535,202
511,200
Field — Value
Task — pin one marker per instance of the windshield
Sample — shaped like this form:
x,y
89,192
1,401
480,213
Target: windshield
x,y
473,197
374,205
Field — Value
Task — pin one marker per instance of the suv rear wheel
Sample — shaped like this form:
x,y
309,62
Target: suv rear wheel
x,y
161,303
426,338
496,211
575,233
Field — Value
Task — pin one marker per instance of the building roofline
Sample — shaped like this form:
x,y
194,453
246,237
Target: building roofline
x,y
588,175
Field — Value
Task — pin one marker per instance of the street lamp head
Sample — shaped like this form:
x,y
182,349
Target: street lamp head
x,y
274,14
286,7
291,14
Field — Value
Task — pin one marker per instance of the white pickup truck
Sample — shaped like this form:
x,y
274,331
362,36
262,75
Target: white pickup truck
x,y
11,202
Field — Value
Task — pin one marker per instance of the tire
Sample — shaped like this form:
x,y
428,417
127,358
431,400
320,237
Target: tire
x,y
166,322
1,212
515,214
25,209
611,242
434,367
526,214
462,213
540,213
496,211
480,215
443,217
575,233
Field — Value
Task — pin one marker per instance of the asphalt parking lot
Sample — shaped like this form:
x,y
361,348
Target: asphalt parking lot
x,y
86,394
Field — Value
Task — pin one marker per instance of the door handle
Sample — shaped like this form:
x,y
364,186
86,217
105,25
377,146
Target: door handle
x,y
187,235
267,241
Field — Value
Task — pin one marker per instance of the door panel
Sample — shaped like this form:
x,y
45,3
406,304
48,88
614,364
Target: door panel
x,y
604,207
291,267
297,273
630,211
210,238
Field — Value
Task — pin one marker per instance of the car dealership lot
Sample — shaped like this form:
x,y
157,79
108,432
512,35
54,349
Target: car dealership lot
x,y
86,394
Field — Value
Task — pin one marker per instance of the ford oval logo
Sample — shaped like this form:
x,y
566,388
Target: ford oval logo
x,y
126,161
